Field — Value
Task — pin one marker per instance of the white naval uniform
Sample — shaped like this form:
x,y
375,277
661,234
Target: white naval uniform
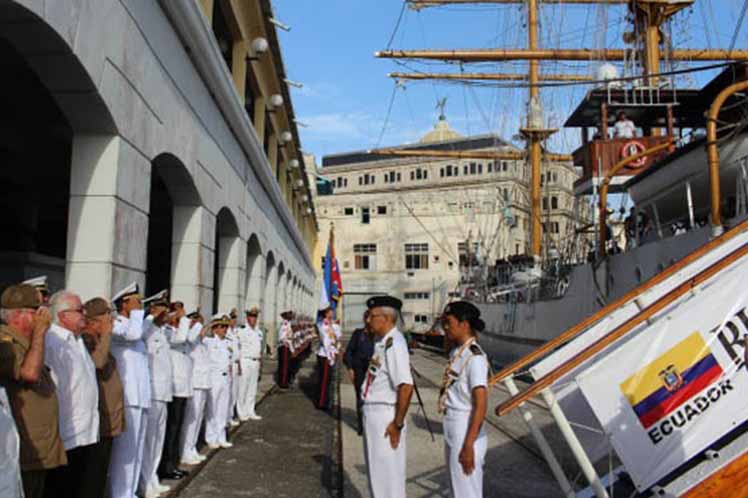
x,y
389,368
468,369
180,358
128,348
219,351
10,447
162,375
233,374
201,382
250,356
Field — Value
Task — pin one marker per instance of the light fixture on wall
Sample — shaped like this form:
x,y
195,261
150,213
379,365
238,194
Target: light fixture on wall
x,y
259,47
286,137
293,163
298,184
305,198
308,210
276,101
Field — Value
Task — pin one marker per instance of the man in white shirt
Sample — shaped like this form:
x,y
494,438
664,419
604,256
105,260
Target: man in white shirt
x,y
74,374
201,384
327,355
624,127
386,394
128,349
250,360
236,369
219,353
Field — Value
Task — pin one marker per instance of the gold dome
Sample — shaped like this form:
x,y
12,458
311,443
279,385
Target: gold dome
x,y
440,133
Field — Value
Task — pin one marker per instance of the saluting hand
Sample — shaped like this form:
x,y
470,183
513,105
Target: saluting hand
x,y
467,459
393,433
42,319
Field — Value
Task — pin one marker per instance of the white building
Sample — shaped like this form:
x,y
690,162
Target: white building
x,y
153,142
403,225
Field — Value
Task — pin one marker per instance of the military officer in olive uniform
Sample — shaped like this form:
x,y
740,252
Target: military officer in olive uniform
x,y
29,385
386,394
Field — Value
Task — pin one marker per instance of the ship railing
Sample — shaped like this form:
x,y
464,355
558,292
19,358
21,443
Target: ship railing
x,y
628,312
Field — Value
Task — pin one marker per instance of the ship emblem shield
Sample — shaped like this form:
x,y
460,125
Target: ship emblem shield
x,y
671,378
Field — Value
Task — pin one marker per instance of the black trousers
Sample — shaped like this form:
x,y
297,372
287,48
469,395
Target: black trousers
x,y
171,456
284,366
95,481
70,481
33,483
325,379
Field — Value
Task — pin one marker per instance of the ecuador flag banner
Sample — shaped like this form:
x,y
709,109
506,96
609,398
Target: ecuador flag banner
x,y
672,379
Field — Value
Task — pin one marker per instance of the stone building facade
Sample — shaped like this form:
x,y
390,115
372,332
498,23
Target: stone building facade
x,y
407,225
153,141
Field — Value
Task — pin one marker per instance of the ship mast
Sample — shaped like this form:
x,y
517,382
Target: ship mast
x,y
649,16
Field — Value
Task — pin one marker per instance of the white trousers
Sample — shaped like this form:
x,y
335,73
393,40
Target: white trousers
x,y
127,454
218,407
193,419
386,466
233,389
455,429
154,444
247,388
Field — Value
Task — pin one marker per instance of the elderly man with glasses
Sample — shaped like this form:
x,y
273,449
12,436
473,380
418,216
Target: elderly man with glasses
x,y
29,385
74,373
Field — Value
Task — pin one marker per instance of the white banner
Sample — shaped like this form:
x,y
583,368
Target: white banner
x,y
677,387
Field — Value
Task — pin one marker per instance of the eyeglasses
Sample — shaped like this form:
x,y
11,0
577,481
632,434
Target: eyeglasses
x,y
74,310
374,315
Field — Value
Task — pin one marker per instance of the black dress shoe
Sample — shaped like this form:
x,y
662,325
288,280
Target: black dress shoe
x,y
183,472
173,475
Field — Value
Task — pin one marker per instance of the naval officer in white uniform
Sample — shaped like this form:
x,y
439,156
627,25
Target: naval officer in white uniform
x,y
250,339
219,352
162,391
463,399
129,350
201,382
386,394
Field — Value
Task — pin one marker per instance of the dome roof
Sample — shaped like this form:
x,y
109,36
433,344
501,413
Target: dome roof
x,y
440,133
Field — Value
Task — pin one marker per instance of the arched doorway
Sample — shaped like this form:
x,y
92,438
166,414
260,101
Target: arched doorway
x,y
173,196
38,131
255,285
228,264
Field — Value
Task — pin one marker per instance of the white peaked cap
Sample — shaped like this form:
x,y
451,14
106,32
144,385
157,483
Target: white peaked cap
x,y
156,297
131,289
40,281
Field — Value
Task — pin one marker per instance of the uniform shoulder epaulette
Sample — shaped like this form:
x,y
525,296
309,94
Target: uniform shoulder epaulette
x,y
5,338
475,349
388,344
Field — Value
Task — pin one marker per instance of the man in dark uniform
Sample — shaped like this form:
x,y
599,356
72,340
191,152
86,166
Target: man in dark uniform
x,y
358,353
29,385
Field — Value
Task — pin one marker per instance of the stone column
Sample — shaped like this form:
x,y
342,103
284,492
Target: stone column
x,y
255,282
192,258
270,309
108,216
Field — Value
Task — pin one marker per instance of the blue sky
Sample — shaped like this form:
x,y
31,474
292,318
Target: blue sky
x,y
347,92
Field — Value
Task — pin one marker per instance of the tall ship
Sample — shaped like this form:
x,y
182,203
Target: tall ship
x,y
633,334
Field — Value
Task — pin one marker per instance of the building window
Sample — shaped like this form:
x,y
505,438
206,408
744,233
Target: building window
x,y
386,177
412,175
381,209
345,182
441,172
480,168
504,166
360,180
449,170
465,169
465,258
545,199
425,174
417,295
416,256
554,202
422,319
348,211
365,215
473,168
490,167
365,256
399,178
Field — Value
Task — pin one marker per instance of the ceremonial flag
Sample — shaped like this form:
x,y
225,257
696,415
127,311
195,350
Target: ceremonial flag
x,y
332,284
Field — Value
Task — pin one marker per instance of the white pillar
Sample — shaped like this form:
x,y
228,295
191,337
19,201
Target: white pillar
x,y
108,216
270,309
255,281
192,258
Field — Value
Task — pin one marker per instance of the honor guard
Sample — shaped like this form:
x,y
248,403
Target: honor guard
x,y
201,383
98,336
162,373
128,349
285,348
463,399
219,352
236,368
40,284
29,386
250,338
329,346
177,333
386,394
